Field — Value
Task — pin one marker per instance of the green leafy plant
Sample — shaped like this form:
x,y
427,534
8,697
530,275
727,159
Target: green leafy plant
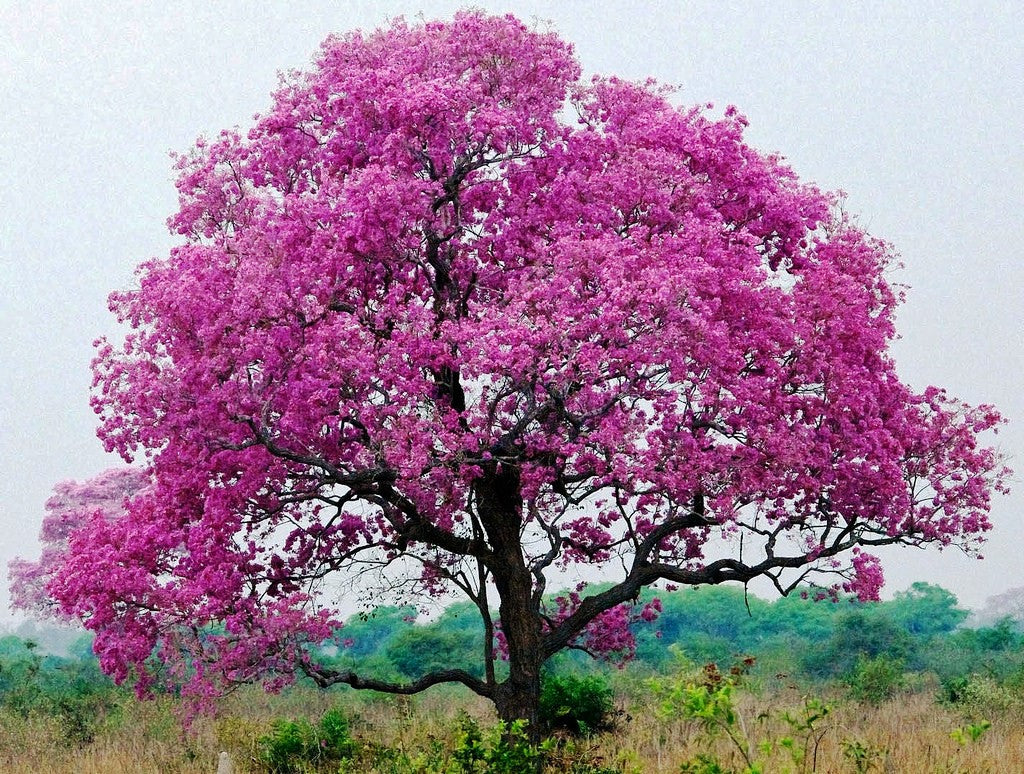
x,y
711,703
703,764
809,728
504,749
970,733
875,680
862,755
577,705
298,746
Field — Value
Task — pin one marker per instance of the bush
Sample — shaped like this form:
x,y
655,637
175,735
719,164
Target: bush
x,y
577,705
875,680
505,750
981,695
296,745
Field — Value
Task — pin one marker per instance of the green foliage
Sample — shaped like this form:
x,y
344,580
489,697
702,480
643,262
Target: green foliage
x,y
711,703
371,632
505,749
862,755
710,623
795,635
470,749
925,611
979,695
388,644
74,691
298,746
422,649
577,705
953,690
703,764
875,679
996,652
970,733
858,634
808,727
714,623
287,746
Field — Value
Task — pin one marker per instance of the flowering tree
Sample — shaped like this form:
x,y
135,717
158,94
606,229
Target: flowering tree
x,y
451,319
73,508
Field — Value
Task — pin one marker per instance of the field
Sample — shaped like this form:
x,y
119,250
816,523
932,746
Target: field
x,y
897,686
910,733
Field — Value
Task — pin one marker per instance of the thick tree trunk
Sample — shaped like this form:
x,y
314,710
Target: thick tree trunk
x,y
499,505
519,696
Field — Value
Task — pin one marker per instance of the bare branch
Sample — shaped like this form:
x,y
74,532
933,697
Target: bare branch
x,y
327,677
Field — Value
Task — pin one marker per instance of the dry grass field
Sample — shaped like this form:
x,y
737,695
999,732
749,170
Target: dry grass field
x,y
910,733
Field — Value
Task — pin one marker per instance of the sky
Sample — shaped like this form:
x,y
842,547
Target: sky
x,y
918,115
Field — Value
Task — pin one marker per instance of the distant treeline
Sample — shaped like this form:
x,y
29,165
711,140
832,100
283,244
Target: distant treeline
x,y
920,630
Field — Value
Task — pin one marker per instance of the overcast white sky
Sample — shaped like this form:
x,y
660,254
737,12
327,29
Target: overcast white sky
x,y
918,114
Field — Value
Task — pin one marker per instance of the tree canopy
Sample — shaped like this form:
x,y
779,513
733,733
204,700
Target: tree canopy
x,y
449,318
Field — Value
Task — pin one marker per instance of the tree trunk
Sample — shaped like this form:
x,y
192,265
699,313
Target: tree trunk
x,y
519,696
499,505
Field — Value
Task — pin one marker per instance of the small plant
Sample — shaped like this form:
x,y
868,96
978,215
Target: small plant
x,y
808,728
703,764
862,755
505,749
335,738
711,703
577,705
970,733
298,746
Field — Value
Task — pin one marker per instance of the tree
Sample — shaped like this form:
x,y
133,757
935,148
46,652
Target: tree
x,y
859,635
450,318
926,611
72,508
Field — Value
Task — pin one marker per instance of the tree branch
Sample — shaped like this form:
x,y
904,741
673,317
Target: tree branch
x,y
325,678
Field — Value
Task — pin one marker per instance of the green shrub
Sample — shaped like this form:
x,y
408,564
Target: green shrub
x,y
506,749
862,755
953,690
335,738
703,764
287,744
298,746
577,705
981,695
875,680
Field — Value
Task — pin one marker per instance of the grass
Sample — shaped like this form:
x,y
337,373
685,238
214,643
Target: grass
x,y
910,733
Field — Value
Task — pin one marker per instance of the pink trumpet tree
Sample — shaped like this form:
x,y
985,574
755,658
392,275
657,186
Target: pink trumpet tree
x,y
453,319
